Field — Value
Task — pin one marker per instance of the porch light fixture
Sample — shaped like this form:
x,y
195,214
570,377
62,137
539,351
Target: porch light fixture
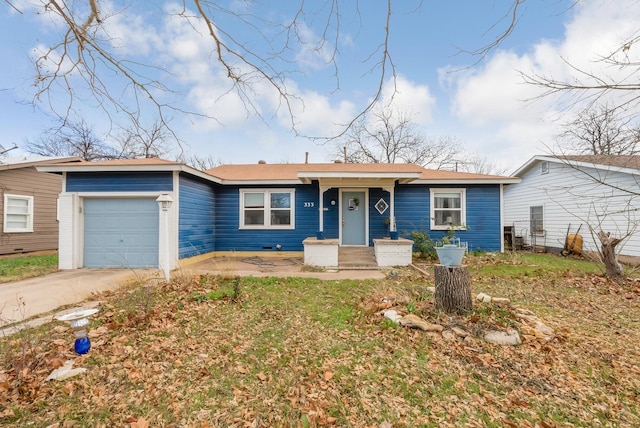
x,y
164,201
79,322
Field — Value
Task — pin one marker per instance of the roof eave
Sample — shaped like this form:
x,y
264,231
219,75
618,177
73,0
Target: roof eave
x,y
128,168
259,182
573,163
506,180
39,162
402,177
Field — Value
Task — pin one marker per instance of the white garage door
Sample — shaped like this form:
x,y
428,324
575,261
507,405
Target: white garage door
x,y
120,232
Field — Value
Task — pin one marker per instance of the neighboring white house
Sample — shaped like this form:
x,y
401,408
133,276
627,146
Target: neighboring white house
x,y
557,192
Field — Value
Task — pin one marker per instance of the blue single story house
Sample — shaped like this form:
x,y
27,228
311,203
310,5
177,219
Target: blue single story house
x,y
153,213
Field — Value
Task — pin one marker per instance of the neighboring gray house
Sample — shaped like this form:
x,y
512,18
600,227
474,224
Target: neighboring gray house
x,y
557,192
28,204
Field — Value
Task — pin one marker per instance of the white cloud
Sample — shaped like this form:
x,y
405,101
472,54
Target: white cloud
x,y
495,96
314,53
409,98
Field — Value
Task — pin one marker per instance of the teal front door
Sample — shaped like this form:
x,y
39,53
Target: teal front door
x,y
354,218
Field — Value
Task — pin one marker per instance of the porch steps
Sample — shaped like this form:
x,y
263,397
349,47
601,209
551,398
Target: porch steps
x,y
356,258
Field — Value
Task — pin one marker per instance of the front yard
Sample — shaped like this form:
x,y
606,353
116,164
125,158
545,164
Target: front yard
x,y
247,352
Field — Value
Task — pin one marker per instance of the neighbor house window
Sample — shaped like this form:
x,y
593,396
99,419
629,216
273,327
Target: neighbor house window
x,y
536,217
544,167
267,209
18,213
448,209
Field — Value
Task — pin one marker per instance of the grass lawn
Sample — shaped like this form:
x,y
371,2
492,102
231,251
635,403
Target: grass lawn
x,y
23,266
209,351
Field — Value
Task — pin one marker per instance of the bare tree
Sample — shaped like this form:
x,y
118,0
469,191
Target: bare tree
x,y
392,137
592,86
138,141
601,130
252,50
479,164
198,162
601,136
72,139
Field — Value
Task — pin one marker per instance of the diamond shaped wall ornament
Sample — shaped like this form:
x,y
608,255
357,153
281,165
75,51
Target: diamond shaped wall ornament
x,y
381,206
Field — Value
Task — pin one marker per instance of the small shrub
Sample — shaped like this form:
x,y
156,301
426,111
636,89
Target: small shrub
x,y
423,244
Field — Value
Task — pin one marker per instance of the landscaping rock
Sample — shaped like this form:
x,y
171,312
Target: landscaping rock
x,y
481,297
543,332
510,337
393,315
414,321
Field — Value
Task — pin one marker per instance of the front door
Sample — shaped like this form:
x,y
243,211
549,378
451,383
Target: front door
x,y
354,218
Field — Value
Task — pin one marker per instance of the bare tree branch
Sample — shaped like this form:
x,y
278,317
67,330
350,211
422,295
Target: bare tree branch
x,y
392,137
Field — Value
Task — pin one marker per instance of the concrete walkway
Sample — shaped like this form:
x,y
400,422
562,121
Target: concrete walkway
x,y
43,296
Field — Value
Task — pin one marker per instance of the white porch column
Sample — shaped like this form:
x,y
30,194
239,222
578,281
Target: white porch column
x,y
321,189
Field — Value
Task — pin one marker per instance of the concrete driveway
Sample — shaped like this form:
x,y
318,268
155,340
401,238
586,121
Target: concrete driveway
x,y
24,299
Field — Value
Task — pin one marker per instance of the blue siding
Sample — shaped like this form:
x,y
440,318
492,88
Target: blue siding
x,y
483,214
331,215
119,181
411,209
229,236
209,213
196,217
377,226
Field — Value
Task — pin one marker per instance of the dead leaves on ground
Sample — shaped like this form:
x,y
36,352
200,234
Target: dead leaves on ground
x,y
189,362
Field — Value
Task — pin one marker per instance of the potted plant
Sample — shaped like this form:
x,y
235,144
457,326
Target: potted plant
x,y
391,224
450,251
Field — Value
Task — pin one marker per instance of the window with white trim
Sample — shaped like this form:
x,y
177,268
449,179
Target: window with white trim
x,y
448,209
267,209
18,214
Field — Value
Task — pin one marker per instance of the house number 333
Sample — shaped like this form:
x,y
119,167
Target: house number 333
x,y
309,204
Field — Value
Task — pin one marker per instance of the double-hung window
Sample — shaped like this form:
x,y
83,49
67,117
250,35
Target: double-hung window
x,y
267,209
18,213
448,209
536,217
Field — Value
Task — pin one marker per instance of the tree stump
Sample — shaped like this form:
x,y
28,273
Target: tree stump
x,y
453,289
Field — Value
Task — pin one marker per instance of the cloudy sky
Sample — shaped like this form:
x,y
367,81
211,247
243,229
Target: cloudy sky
x,y
448,92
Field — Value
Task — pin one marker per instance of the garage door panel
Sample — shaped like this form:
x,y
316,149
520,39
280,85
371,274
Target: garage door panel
x,y
120,232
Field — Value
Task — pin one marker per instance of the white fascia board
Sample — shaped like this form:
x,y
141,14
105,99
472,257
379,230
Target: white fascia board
x,y
599,166
510,180
572,163
402,177
528,164
377,175
259,182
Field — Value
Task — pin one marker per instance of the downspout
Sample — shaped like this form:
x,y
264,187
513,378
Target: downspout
x,y
392,211
502,218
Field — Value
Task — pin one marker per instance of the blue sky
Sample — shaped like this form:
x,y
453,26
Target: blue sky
x,y
481,106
